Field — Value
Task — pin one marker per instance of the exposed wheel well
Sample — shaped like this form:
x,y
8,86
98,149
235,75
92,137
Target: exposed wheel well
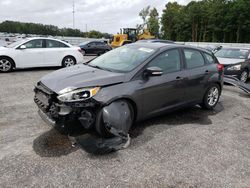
x,y
68,56
7,57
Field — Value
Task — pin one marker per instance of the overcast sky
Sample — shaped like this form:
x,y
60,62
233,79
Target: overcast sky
x,y
102,15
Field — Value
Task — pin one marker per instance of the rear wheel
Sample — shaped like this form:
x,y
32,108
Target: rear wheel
x,y
211,97
68,61
244,75
6,64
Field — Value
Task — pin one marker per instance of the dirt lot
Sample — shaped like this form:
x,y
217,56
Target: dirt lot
x,y
188,148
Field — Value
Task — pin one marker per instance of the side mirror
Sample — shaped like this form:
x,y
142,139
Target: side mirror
x,y
22,47
153,71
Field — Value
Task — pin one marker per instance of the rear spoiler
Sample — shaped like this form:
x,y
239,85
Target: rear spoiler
x,y
237,83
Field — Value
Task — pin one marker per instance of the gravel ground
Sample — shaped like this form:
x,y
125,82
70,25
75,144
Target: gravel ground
x,y
187,148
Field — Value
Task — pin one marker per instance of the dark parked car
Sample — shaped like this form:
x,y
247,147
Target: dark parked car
x,y
94,47
236,62
129,84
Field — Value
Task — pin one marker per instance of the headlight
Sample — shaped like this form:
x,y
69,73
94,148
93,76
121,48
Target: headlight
x,y
235,67
78,94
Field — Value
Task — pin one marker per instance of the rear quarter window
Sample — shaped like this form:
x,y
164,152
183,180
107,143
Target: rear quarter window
x,y
209,58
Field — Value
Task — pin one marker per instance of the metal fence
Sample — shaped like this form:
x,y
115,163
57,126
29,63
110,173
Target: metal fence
x,y
78,40
205,44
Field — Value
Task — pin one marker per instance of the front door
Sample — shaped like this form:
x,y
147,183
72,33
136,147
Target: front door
x,y
165,91
32,55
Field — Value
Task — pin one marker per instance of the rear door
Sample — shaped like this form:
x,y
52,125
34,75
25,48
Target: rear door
x,y
196,73
91,48
99,47
54,52
166,91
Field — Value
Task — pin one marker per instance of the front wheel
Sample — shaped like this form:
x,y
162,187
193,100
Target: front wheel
x,y
211,97
68,61
6,65
244,75
115,119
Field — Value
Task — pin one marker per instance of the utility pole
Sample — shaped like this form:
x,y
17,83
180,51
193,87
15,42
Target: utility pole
x,y
73,14
86,26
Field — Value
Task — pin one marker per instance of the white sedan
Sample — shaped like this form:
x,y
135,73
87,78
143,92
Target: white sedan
x,y
38,52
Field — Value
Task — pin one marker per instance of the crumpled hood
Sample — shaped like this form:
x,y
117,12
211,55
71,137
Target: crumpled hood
x,y
228,61
80,76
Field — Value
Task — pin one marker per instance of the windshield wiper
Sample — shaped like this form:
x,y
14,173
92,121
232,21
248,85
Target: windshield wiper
x,y
101,68
95,66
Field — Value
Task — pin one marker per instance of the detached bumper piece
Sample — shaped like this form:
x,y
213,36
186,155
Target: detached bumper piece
x,y
236,82
94,144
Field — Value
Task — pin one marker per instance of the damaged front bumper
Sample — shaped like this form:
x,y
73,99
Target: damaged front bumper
x,y
63,116
55,112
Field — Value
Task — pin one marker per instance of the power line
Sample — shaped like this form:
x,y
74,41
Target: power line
x,y
73,14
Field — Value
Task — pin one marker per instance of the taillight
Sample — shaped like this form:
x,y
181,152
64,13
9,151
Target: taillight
x,y
220,67
80,50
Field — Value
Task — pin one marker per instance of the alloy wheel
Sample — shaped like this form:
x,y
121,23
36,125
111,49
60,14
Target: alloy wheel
x,y
213,96
5,65
69,62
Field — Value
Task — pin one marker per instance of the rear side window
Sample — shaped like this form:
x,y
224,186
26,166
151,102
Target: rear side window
x,y
193,58
55,44
210,59
99,43
168,61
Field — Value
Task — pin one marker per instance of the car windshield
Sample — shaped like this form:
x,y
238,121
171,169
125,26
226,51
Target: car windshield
x,y
232,53
123,59
17,43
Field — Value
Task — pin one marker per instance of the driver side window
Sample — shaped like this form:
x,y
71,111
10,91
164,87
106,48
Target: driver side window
x,y
168,61
38,43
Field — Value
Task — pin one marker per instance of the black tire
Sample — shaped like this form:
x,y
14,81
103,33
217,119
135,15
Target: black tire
x,y
99,125
211,97
68,61
244,75
6,64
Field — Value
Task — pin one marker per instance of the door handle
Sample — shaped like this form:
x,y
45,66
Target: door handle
x,y
179,78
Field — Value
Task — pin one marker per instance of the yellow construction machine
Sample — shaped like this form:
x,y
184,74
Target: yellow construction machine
x,y
129,35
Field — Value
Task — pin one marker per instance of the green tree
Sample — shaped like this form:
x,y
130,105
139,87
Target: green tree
x,y
144,13
153,22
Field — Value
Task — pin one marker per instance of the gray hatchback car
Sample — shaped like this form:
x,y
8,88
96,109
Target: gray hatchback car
x,y
129,84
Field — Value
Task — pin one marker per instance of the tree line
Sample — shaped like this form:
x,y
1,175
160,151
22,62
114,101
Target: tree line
x,y
206,21
41,29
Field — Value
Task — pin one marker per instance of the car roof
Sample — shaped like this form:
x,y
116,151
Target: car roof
x,y
165,46
156,40
47,38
